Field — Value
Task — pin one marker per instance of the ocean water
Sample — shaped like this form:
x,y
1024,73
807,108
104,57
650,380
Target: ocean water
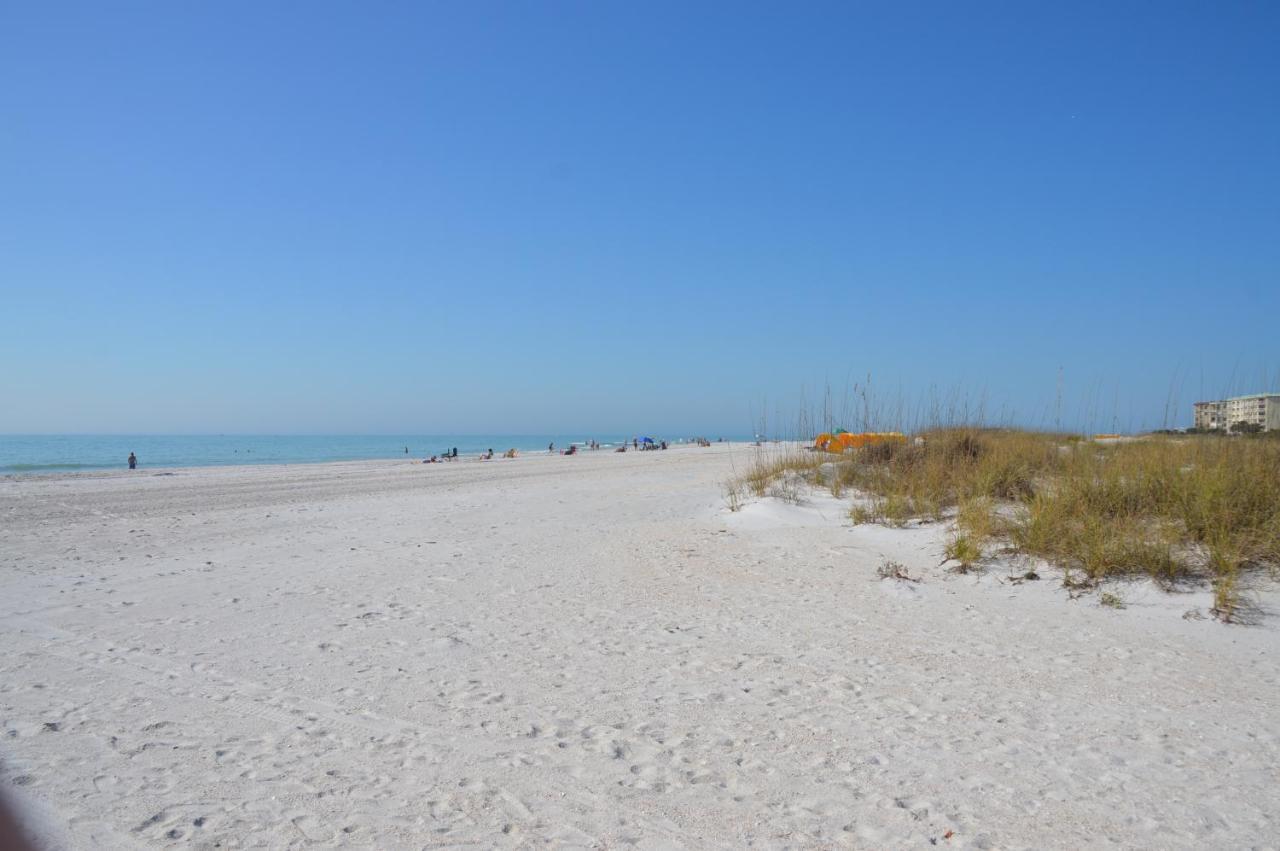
x,y
30,454
62,453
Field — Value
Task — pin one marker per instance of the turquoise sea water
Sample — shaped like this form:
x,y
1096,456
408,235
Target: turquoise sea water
x,y
29,454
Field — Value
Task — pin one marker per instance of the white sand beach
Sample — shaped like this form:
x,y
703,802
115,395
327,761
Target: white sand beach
x,y
591,652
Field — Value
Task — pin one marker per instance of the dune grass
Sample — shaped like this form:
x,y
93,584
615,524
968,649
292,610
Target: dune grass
x,y
775,473
1169,507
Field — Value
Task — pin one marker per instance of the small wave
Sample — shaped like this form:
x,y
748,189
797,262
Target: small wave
x,y
37,468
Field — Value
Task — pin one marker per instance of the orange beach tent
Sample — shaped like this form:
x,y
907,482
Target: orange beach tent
x,y
843,441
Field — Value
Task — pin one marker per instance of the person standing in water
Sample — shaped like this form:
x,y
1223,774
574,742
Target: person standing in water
x,y
133,461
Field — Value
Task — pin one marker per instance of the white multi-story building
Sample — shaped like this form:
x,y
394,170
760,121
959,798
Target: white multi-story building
x,y
1261,410
1209,416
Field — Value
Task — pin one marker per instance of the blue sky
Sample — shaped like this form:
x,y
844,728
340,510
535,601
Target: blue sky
x,y
486,217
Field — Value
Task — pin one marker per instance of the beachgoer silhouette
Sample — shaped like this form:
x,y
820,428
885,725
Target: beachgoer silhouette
x,y
551,447
133,461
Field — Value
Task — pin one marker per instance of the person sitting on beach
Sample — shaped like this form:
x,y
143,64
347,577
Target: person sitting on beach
x,y
622,448
431,460
133,461
572,450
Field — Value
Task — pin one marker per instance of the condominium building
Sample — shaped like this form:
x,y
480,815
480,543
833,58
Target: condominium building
x,y
1261,410
1209,415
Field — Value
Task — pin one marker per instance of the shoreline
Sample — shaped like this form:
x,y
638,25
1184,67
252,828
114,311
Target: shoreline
x,y
408,460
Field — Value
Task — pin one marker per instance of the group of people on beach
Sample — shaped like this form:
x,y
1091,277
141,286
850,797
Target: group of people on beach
x,y
452,454
637,444
573,447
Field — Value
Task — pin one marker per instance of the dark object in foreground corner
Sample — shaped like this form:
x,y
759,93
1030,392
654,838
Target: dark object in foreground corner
x,y
11,837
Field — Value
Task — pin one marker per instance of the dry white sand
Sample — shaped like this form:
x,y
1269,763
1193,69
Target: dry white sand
x,y
590,652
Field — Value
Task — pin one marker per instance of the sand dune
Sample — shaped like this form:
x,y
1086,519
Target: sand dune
x,y
590,652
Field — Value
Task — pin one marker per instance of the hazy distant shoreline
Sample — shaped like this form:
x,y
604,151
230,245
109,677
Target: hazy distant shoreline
x,y
41,455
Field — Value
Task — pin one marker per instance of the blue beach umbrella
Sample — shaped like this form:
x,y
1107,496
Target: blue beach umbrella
x,y
646,440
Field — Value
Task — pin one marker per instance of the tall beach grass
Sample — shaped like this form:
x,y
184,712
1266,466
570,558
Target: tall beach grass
x,y
1172,507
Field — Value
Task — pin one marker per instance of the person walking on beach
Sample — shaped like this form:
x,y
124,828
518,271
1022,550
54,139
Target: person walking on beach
x,y
133,461
551,448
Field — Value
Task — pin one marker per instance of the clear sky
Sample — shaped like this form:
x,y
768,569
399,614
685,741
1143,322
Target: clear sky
x,y
523,217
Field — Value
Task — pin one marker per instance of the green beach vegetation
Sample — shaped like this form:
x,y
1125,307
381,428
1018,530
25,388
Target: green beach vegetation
x,y
1175,508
